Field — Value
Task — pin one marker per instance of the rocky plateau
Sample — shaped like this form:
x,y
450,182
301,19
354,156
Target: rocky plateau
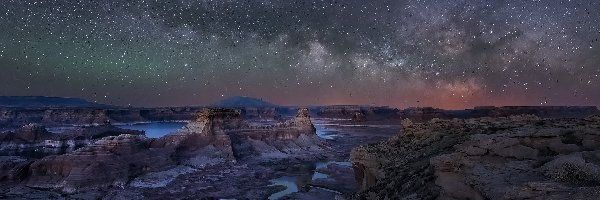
x,y
516,157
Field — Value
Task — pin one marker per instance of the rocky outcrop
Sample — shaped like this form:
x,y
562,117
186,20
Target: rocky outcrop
x,y
30,133
359,117
206,138
222,133
11,117
517,157
109,162
34,140
12,168
293,138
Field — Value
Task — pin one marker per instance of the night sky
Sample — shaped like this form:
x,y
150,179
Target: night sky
x,y
401,53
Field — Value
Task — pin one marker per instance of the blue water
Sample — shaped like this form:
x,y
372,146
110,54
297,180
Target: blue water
x,y
61,129
287,181
326,131
290,182
155,129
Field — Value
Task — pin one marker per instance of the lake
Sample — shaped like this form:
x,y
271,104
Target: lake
x,y
154,129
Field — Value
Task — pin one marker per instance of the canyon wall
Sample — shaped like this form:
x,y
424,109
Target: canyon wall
x,y
113,159
34,140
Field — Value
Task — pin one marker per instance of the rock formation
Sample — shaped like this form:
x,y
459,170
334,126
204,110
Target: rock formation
x,y
109,162
34,140
359,117
222,133
112,160
27,134
204,140
517,157
293,138
11,117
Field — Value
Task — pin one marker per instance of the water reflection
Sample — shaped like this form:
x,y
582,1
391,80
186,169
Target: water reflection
x,y
292,182
155,129
287,181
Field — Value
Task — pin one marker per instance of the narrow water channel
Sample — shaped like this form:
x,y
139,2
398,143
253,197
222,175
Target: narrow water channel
x,y
291,182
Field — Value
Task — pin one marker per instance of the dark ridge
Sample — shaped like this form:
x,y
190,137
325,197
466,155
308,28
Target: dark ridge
x,y
242,102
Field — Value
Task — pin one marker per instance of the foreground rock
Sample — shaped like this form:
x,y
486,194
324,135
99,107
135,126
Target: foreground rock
x,y
519,157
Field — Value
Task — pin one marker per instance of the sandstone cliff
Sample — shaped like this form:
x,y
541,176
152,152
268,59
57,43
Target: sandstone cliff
x,y
34,140
109,162
293,138
215,137
205,141
517,157
223,133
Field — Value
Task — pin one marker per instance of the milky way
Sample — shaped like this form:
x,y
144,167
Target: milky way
x,y
402,53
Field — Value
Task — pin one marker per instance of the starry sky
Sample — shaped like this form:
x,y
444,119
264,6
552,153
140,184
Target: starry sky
x,y
401,53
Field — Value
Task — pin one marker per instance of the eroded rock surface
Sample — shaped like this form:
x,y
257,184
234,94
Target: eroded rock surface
x,y
35,141
517,157
109,162
223,133
132,162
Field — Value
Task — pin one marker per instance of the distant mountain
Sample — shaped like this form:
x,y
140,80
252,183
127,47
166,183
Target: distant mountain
x,y
45,102
241,101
